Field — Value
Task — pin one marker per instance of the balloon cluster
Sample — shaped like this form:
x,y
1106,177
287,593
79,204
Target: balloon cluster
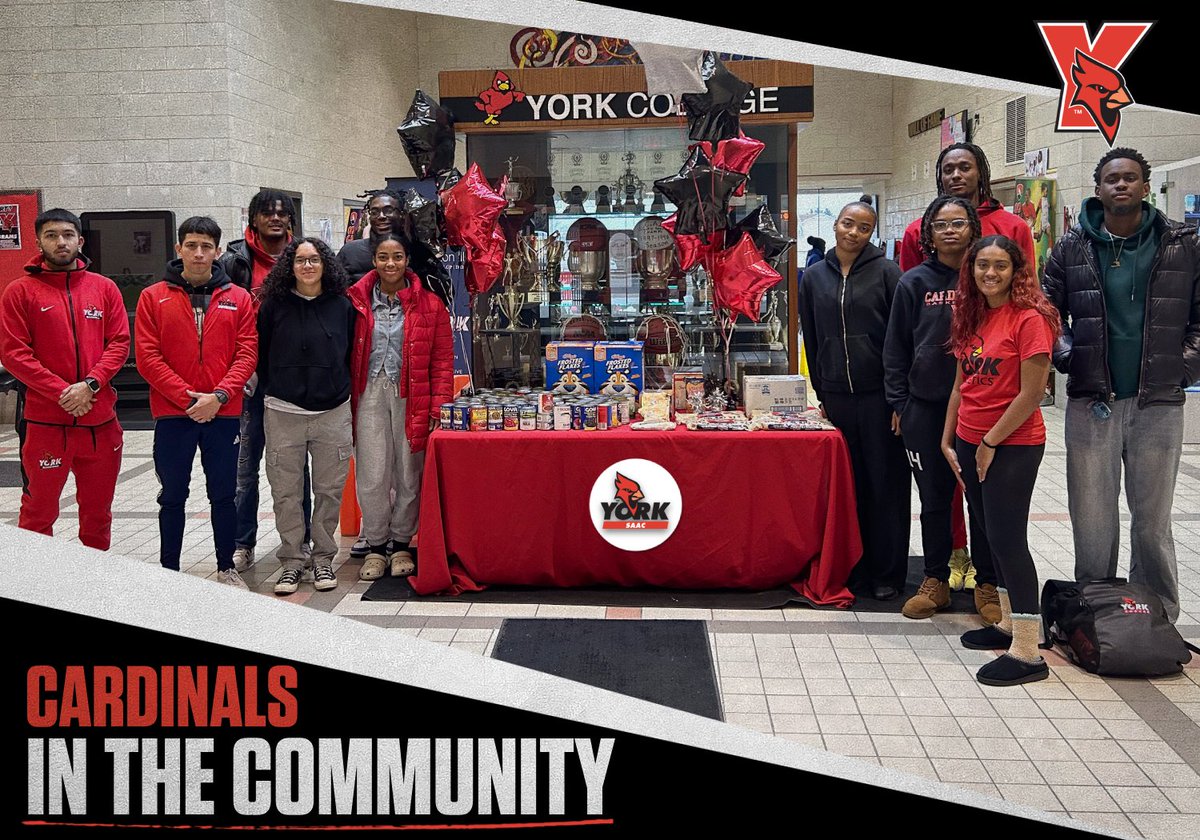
x,y
465,212
743,259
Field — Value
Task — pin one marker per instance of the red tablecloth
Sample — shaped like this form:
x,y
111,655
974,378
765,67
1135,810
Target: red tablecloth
x,y
760,510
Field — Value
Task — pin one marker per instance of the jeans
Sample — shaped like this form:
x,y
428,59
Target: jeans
x,y
1148,442
175,443
253,441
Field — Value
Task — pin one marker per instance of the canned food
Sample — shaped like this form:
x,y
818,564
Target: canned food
x,y
528,418
479,417
545,402
495,421
577,417
544,422
562,417
460,417
512,417
589,418
602,417
446,420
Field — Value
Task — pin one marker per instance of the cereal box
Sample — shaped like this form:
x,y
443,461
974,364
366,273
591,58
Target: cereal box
x,y
569,367
617,368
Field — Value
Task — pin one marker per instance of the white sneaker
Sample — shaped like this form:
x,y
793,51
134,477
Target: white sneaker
x,y
288,582
230,577
324,579
243,558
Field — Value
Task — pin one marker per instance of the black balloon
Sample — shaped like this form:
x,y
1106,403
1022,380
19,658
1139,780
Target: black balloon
x,y
424,222
715,114
700,193
432,271
447,178
767,238
428,136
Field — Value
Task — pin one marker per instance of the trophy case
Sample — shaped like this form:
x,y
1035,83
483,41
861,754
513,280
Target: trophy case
x,y
587,256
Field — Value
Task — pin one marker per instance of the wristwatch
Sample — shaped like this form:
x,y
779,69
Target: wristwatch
x,y
221,396
93,383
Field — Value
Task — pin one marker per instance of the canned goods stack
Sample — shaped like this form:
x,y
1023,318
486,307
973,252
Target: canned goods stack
x,y
525,410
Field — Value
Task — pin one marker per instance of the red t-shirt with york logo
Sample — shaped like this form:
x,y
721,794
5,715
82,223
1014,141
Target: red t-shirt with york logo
x,y
991,373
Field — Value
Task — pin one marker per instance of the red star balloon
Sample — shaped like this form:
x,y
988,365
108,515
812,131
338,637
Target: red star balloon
x,y
741,277
471,208
736,154
689,249
485,265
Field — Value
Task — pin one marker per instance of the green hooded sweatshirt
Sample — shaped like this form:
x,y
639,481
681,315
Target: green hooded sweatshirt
x,y
1125,275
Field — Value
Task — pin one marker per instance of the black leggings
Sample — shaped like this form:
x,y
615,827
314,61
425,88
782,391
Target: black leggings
x,y
1001,506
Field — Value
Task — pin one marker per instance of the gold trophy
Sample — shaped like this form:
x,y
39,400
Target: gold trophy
x,y
774,324
512,191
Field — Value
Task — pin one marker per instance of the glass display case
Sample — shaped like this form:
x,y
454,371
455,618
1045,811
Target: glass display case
x,y
588,258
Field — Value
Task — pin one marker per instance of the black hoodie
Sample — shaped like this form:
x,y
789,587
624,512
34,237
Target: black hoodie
x,y
845,321
304,349
201,295
916,361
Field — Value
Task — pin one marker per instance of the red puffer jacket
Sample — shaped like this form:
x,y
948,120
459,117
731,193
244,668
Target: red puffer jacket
x,y
56,329
427,363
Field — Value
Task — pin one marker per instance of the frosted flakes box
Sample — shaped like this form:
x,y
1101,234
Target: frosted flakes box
x,y
569,367
617,368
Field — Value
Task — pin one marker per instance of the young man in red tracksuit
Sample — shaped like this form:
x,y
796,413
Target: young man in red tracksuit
x,y
196,344
64,335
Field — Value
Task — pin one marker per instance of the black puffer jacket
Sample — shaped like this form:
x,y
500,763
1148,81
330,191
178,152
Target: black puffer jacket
x,y
845,321
237,263
1171,346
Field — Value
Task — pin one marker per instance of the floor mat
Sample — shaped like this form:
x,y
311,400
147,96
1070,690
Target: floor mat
x,y
666,662
10,474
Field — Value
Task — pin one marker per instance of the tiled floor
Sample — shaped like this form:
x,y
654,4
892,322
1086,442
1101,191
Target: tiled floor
x,y
1122,755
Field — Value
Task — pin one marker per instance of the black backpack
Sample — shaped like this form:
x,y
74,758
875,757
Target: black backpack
x,y
1112,628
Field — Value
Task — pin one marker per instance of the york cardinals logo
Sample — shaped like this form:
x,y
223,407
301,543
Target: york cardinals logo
x,y
629,492
499,96
1132,607
1094,91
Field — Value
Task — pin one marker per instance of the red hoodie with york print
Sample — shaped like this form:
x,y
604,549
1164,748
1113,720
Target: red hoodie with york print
x,y
993,219
58,328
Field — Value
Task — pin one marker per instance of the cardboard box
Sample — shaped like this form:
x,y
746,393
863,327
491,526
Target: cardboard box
x,y
787,394
683,387
569,367
617,368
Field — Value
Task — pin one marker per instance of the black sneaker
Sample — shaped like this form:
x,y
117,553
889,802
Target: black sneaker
x,y
1008,670
324,579
288,582
360,549
986,638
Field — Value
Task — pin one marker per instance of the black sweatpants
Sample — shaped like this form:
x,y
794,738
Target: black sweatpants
x,y
1000,505
922,426
882,485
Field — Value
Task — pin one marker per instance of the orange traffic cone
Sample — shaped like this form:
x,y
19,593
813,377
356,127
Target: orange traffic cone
x,y
351,513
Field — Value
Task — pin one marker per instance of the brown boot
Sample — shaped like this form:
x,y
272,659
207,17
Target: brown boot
x,y
933,595
987,603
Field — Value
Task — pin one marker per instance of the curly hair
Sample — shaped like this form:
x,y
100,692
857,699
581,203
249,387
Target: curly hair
x,y
1122,153
282,279
981,161
970,305
931,213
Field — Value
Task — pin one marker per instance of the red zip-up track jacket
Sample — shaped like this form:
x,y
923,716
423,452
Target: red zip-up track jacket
x,y
175,360
58,328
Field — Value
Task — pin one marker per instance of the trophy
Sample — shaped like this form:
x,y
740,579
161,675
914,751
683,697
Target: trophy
x,y
603,200
535,265
630,186
574,198
774,324
587,252
512,301
655,255
512,191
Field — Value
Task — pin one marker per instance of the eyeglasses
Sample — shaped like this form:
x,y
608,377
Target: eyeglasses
x,y
307,261
954,224
382,211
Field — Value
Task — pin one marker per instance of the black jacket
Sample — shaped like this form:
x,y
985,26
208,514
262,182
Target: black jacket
x,y
845,322
356,257
304,349
916,361
1171,344
237,263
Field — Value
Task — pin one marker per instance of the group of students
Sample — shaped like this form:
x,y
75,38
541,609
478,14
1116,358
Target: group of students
x,y
936,368
268,350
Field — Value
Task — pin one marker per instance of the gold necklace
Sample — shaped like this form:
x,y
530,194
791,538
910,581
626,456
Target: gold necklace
x,y
1116,249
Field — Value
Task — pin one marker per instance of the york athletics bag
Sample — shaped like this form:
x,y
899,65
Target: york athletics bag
x,y
1112,628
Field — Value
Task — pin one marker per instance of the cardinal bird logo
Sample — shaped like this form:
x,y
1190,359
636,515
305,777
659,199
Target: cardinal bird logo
x,y
1094,91
1101,90
629,492
499,96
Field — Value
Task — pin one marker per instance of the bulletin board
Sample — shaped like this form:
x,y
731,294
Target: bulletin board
x,y
18,240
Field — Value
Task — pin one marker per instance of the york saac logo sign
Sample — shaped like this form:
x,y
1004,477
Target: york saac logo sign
x,y
635,504
1094,91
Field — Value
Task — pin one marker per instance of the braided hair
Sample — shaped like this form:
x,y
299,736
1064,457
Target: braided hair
x,y
931,213
981,161
265,199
